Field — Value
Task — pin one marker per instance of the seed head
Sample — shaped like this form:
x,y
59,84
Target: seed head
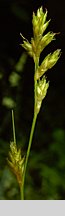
x,y
16,162
38,22
49,61
41,92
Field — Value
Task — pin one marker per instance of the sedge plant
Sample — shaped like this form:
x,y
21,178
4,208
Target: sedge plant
x,y
38,42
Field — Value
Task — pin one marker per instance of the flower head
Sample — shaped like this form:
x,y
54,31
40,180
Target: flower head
x,y
49,61
38,41
39,22
16,162
41,92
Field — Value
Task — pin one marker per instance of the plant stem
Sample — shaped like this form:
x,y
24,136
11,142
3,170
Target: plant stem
x,y
31,133
21,192
13,125
35,83
27,155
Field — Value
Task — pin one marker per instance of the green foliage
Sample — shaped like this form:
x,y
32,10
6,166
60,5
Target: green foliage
x,y
8,186
8,102
14,79
47,178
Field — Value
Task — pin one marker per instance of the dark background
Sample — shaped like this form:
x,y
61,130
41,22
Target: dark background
x,y
45,177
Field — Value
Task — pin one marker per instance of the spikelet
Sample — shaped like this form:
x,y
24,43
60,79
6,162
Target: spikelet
x,y
16,162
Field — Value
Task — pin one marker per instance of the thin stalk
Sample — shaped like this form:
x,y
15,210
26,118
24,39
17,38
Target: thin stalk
x,y
31,133
21,192
14,139
28,152
35,83
13,125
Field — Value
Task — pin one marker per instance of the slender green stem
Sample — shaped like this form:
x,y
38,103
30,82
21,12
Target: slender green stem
x,y
14,138
35,83
31,133
13,125
21,192
28,152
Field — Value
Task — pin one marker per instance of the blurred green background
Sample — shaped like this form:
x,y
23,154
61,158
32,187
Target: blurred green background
x,y
45,178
